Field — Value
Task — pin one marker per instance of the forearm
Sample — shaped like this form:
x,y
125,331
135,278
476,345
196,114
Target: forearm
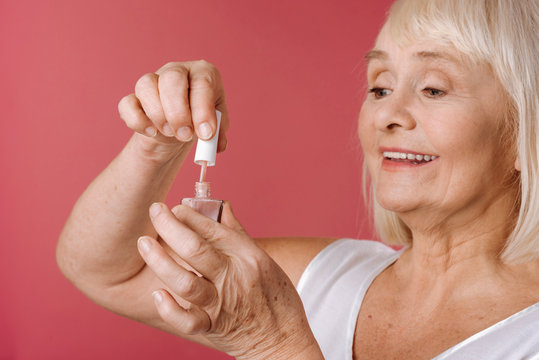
x,y
98,242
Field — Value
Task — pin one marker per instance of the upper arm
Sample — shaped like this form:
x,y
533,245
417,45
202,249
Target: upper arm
x,y
293,254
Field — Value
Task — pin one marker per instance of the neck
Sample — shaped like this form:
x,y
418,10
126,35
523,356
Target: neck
x,y
456,251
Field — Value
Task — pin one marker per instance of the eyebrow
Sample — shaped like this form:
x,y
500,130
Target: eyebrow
x,y
436,55
375,54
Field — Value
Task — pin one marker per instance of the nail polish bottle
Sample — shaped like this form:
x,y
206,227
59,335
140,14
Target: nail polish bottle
x,y
203,203
205,156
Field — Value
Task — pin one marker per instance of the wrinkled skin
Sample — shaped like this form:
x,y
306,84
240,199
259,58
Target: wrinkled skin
x,y
230,291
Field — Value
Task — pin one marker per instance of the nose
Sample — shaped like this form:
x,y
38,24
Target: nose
x,y
393,113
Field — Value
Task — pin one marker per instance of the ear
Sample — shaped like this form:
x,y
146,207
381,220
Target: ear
x,y
517,163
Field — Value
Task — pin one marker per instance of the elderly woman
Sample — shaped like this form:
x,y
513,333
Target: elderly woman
x,y
450,134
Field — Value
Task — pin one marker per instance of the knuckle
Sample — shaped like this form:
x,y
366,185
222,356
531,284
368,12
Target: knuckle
x,y
147,80
193,248
156,117
172,77
203,64
166,310
211,231
163,221
188,326
178,117
173,65
191,325
188,284
259,261
206,80
209,67
178,71
124,103
207,76
170,64
127,110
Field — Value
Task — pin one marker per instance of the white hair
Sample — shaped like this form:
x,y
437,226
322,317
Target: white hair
x,y
504,35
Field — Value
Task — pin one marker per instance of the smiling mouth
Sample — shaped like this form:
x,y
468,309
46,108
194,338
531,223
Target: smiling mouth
x,y
415,159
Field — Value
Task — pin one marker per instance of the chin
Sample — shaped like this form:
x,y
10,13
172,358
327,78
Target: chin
x,y
398,202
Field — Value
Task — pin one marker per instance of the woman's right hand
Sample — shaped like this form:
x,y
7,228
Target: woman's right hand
x,y
175,105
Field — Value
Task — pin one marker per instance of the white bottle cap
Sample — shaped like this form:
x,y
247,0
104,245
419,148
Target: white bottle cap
x,y
207,149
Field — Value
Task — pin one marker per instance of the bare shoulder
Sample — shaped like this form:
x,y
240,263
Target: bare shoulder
x,y
293,254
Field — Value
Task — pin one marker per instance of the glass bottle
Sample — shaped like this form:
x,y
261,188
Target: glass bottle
x,y
202,202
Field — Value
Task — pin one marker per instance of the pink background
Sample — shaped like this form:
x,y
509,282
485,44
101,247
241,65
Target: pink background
x,y
293,73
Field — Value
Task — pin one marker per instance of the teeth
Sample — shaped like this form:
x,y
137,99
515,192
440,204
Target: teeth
x,y
406,156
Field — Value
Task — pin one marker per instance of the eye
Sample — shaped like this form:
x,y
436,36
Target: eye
x,y
379,92
433,93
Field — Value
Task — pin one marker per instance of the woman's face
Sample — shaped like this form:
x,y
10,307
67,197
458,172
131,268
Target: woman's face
x,y
443,116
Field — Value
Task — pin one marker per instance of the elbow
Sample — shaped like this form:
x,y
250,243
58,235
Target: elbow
x,y
64,260
61,258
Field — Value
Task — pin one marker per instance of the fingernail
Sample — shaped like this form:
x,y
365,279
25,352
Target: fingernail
x,y
185,133
155,209
204,130
157,297
144,244
167,130
150,131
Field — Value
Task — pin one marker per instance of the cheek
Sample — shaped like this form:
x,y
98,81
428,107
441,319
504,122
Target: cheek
x,y
466,135
469,146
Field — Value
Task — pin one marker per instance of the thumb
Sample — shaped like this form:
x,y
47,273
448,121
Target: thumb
x,y
228,218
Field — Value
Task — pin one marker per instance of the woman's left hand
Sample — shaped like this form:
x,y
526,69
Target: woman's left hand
x,y
234,294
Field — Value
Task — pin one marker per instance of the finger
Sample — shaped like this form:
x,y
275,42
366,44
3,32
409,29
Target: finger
x,y
222,142
189,245
146,90
205,90
204,226
189,322
173,87
228,218
183,283
228,239
134,117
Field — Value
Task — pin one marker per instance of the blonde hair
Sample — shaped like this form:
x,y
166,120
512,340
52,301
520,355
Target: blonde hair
x,y
504,35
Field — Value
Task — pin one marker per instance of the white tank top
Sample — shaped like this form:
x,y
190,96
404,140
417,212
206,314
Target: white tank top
x,y
333,285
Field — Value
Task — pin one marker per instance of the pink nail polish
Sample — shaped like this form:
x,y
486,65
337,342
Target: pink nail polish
x,y
205,156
